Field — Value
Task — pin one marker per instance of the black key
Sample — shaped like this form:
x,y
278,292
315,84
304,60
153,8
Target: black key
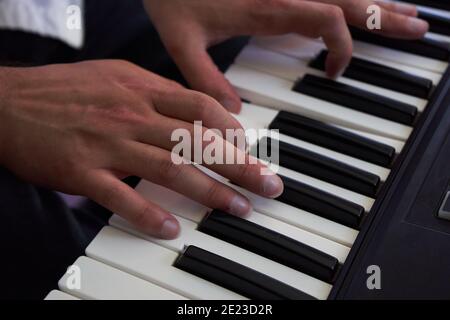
x,y
323,168
381,76
438,24
270,244
438,4
424,47
236,277
333,138
321,203
357,99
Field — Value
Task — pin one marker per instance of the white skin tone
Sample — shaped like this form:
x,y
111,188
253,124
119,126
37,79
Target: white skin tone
x,y
206,23
80,128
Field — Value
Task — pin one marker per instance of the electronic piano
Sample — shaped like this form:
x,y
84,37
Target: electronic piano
x,y
365,162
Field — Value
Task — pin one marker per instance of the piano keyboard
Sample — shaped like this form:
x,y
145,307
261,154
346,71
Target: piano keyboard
x,y
339,141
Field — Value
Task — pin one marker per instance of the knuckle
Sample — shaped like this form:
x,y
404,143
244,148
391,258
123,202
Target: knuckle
x,y
122,63
175,48
168,172
266,11
142,216
204,105
352,3
213,194
391,19
244,172
117,65
122,113
174,84
334,14
108,196
70,168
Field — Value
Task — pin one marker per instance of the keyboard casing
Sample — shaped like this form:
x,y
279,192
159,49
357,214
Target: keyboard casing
x,y
403,235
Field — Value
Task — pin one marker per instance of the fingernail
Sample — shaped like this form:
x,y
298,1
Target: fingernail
x,y
272,186
240,206
417,25
169,229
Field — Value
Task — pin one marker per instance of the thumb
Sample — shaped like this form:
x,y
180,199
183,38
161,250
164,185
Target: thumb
x,y
203,75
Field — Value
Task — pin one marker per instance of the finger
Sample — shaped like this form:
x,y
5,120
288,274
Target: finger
x,y
191,106
249,175
338,40
227,160
398,7
397,25
310,19
159,166
119,198
328,22
393,24
202,73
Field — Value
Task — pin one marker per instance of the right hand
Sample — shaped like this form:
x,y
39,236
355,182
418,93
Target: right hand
x,y
188,27
80,128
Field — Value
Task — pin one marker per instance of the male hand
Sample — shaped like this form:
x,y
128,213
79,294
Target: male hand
x,y
80,128
189,27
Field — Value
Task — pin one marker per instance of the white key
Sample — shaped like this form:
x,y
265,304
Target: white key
x,y
396,144
291,44
381,172
154,263
190,236
302,219
435,77
357,198
292,69
438,37
102,282
267,90
171,201
305,48
362,200
57,295
190,210
357,163
254,116
439,12
296,217
332,248
400,57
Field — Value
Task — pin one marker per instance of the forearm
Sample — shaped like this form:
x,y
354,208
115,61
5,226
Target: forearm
x,y
5,80
3,99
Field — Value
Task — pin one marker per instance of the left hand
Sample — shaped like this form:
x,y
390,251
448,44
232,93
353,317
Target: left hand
x,y
189,27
